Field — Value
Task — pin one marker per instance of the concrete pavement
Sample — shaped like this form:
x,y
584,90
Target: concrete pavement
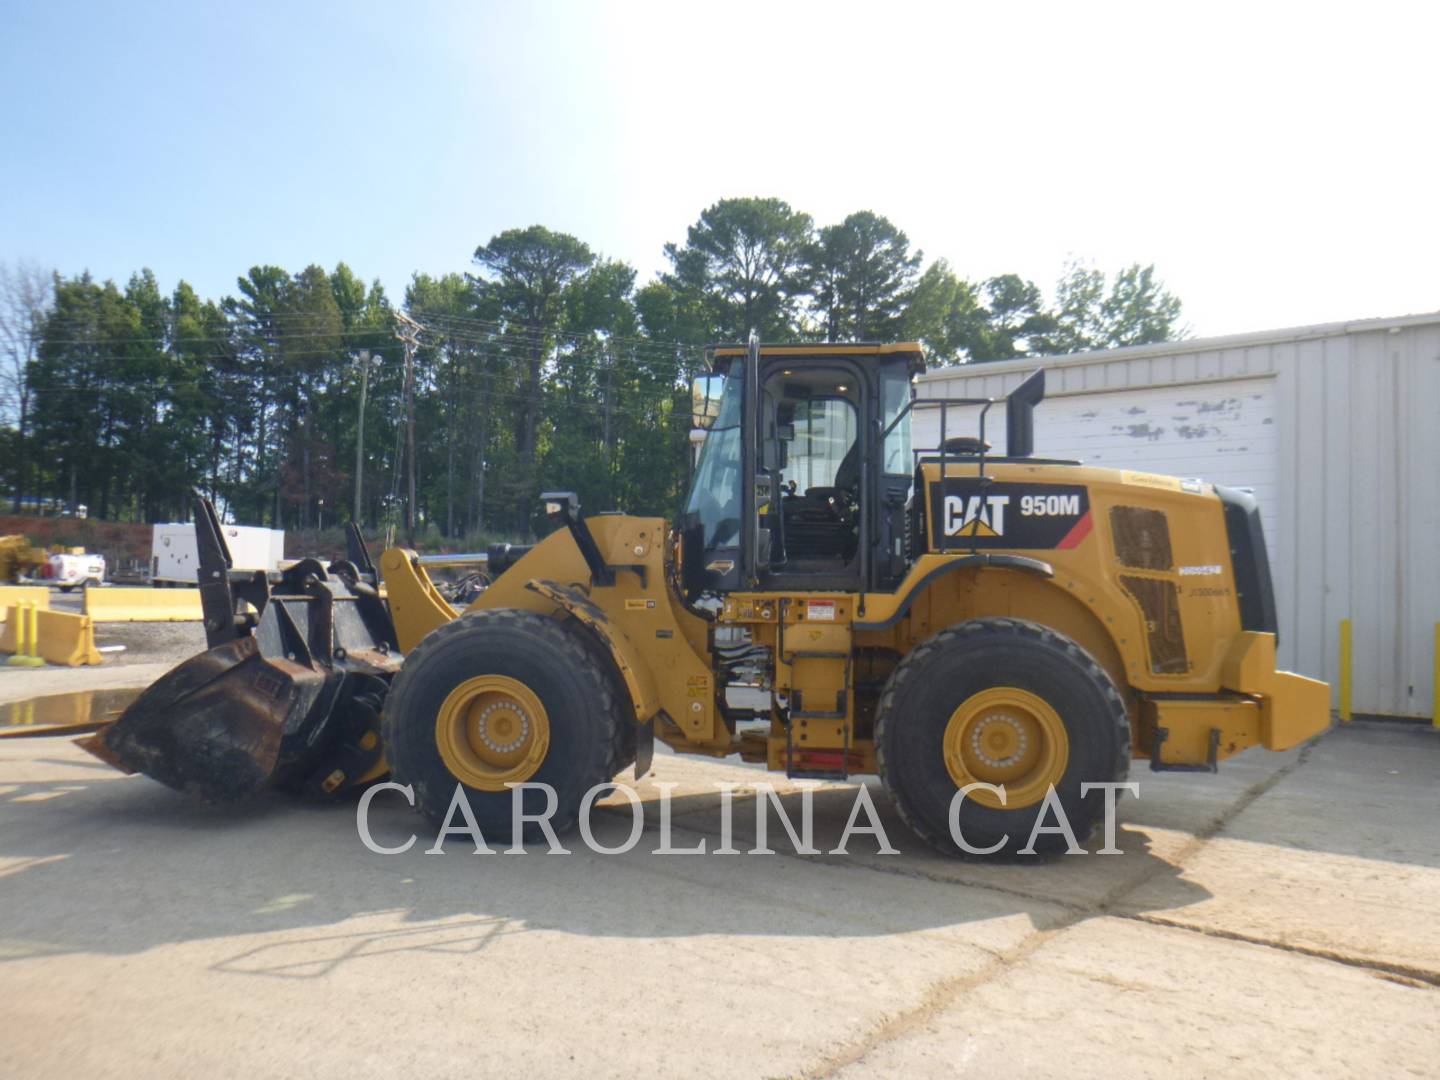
x,y
1282,917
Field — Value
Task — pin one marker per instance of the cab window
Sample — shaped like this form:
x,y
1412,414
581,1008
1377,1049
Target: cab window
x,y
894,396
824,431
715,495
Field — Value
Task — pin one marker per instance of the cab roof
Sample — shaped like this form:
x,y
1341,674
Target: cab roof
x,y
912,349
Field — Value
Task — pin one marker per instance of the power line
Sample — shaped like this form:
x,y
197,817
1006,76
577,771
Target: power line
x,y
450,325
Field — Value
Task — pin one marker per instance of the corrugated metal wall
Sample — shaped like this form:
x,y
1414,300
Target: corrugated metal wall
x,y
1355,526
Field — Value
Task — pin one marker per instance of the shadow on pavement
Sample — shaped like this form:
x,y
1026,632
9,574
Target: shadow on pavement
x,y
121,865
94,862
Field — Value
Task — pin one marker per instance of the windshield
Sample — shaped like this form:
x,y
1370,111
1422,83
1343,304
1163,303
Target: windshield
x,y
715,498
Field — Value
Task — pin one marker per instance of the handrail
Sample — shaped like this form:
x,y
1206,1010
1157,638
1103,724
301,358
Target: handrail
x,y
945,403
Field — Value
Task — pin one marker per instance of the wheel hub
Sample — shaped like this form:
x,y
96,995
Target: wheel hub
x,y
1008,737
502,727
492,731
1001,735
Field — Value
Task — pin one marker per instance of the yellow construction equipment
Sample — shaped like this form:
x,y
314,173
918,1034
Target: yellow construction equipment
x,y
18,557
955,619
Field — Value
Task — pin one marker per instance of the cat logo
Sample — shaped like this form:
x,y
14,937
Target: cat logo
x,y
977,515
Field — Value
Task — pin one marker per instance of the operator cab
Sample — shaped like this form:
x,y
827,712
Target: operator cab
x,y
824,432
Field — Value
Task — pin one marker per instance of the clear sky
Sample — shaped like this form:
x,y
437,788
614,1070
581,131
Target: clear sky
x,y
1280,165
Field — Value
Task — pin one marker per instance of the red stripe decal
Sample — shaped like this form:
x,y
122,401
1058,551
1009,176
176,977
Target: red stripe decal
x,y
1078,532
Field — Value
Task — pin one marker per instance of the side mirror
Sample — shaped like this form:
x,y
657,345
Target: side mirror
x,y
561,506
705,394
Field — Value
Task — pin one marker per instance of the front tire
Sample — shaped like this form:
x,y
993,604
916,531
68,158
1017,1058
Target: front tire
x,y
1004,702
496,698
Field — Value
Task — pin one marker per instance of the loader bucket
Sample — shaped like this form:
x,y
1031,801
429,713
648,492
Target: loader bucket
x,y
220,726
289,692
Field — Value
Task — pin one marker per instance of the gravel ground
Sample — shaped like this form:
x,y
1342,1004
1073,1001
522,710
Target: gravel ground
x,y
149,643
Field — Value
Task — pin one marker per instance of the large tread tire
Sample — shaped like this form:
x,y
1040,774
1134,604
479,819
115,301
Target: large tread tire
x,y
626,730
548,657
930,683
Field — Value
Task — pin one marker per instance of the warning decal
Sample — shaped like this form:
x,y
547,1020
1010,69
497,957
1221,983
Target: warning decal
x,y
820,610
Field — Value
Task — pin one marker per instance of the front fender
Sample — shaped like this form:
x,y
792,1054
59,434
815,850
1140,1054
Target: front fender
x,y
639,680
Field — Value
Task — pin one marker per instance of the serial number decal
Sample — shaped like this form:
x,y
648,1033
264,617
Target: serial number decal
x,y
820,610
1199,571
1010,515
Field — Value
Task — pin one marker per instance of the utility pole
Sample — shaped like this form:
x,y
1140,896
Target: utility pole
x,y
608,359
409,335
360,436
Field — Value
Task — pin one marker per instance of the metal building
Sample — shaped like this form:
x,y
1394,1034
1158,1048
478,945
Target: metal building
x,y
1335,427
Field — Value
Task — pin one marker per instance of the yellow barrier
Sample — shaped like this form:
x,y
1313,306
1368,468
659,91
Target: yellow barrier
x,y
67,639
20,634
1346,660
38,595
143,605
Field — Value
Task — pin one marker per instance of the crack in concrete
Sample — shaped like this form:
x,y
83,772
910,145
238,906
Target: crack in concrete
x,y
943,994
1404,974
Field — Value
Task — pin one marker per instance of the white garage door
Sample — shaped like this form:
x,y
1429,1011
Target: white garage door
x,y
1223,432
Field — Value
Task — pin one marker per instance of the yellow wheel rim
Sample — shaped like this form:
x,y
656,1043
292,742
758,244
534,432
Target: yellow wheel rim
x,y
492,731
1008,737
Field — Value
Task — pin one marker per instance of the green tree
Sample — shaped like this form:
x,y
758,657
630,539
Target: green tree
x,y
206,415
744,264
1139,309
945,315
1092,312
95,376
1015,314
527,271
25,298
863,275
457,358
258,318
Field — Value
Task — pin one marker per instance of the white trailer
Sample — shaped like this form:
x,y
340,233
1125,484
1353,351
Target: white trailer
x,y
75,569
173,558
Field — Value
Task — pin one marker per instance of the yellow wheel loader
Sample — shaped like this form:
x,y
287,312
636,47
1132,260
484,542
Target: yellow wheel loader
x,y
834,601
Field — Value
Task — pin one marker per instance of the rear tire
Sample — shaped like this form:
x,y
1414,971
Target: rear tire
x,y
557,682
1010,679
